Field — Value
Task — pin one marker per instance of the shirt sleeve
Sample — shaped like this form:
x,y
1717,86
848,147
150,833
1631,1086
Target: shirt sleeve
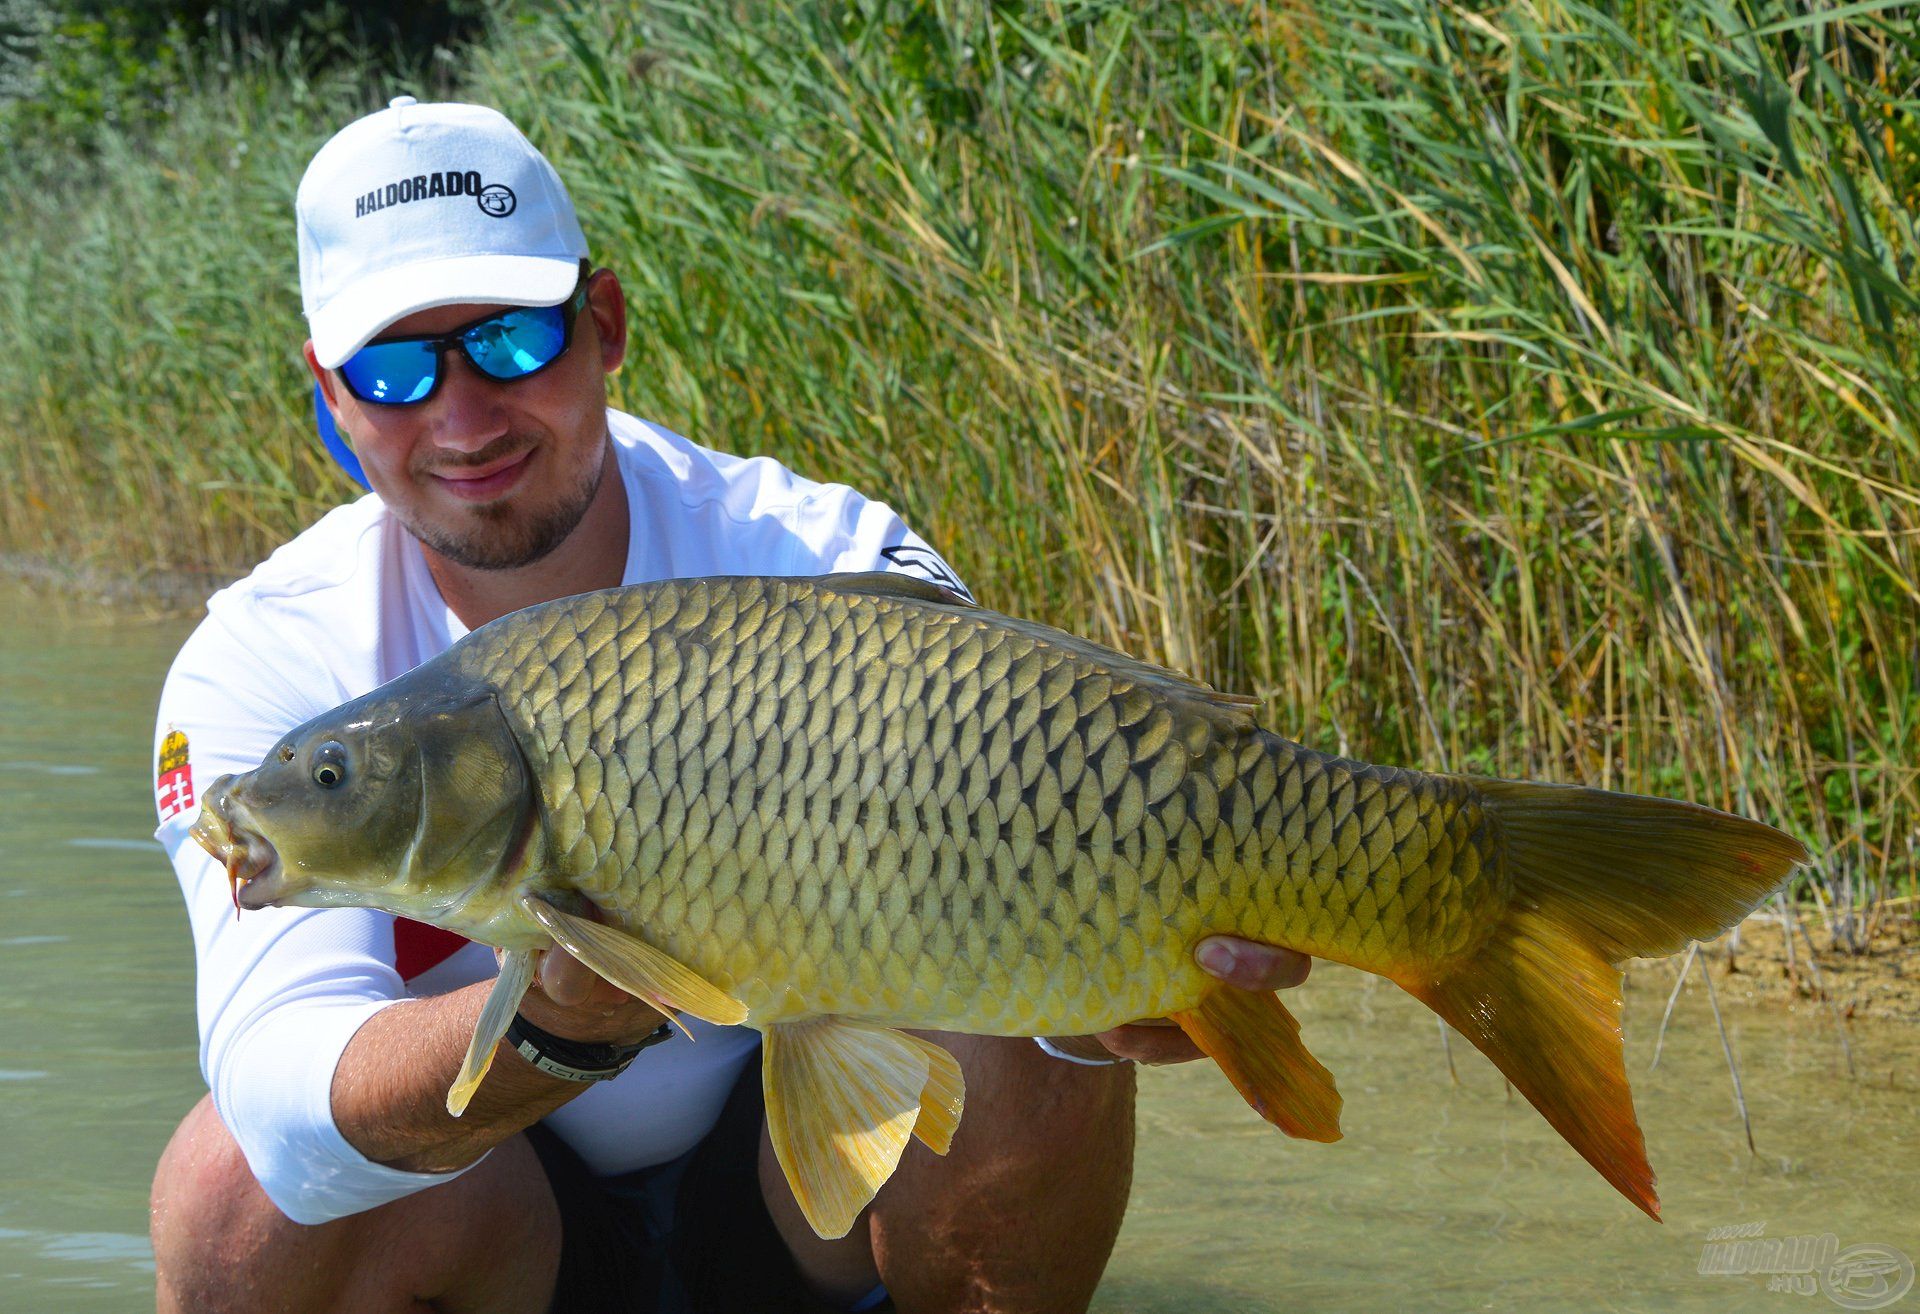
x,y
279,992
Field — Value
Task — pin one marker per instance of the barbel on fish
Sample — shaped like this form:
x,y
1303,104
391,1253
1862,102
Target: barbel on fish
x,y
830,808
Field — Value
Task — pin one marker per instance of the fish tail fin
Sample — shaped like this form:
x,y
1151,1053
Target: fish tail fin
x,y
1597,878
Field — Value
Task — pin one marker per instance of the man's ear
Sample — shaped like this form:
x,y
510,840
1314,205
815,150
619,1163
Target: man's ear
x,y
325,378
607,303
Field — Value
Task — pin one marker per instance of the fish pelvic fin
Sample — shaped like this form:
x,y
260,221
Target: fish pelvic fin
x,y
1597,878
843,1098
941,1099
496,1015
636,966
1256,1042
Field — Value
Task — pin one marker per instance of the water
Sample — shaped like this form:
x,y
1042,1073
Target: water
x,y
97,1045
1443,1196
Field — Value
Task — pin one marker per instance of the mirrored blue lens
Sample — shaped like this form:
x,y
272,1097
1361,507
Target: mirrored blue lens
x,y
517,342
392,372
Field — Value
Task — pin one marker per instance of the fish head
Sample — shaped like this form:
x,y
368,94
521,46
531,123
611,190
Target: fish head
x,y
415,799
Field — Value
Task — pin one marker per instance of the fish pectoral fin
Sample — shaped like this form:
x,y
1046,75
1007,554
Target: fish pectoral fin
x,y
1256,1042
843,1098
636,966
503,1001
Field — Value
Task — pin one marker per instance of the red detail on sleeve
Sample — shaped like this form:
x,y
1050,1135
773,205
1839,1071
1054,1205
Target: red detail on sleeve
x,y
417,947
173,791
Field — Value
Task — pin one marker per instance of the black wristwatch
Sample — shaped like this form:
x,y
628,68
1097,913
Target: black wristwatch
x,y
577,1060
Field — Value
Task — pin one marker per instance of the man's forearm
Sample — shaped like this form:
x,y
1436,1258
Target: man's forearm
x,y
390,1087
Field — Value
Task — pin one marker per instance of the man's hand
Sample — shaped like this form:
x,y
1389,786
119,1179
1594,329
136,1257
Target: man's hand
x,y
571,1000
1246,964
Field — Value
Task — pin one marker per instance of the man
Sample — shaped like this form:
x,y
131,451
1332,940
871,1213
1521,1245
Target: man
x,y
463,340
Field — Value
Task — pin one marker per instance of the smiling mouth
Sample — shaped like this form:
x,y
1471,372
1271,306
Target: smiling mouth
x,y
486,481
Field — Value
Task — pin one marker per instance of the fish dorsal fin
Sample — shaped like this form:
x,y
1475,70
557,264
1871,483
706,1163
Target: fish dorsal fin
x,y
1256,1042
893,584
503,1001
843,1098
1159,679
636,966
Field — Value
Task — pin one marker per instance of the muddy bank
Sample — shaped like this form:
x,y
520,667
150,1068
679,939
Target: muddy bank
x,y
149,592
1756,966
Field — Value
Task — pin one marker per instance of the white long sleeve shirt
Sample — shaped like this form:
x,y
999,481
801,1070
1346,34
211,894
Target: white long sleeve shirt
x,y
343,608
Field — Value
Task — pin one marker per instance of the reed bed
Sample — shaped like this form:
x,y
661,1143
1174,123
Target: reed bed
x,y
1524,388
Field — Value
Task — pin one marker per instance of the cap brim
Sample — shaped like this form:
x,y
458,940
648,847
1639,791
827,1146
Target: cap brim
x,y
344,324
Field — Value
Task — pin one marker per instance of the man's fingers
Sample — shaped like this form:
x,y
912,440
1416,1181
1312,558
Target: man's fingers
x,y
568,981
1149,1042
1251,965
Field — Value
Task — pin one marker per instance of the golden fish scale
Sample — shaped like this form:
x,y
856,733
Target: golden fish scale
x,y
931,815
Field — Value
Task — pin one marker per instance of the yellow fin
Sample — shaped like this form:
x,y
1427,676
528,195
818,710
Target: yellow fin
x,y
516,974
843,1097
1256,1042
941,1099
636,966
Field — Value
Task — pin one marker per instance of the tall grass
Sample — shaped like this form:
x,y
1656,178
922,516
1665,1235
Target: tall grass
x,y
1525,388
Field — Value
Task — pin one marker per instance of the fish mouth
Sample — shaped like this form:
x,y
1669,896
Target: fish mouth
x,y
253,864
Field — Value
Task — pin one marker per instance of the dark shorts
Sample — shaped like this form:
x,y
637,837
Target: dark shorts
x,y
688,1237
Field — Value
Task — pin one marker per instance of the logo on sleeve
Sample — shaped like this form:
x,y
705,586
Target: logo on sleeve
x,y
173,776
926,563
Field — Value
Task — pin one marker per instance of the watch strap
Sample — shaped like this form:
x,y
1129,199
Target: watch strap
x,y
577,1060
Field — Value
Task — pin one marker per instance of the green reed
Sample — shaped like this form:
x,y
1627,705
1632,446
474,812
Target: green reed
x,y
1522,388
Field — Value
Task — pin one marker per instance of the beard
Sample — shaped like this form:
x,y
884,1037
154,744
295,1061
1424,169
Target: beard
x,y
502,536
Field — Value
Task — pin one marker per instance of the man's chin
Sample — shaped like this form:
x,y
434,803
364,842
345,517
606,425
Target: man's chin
x,y
503,534
508,543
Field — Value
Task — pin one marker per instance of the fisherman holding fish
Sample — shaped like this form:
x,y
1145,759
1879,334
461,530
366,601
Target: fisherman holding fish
x,y
606,1161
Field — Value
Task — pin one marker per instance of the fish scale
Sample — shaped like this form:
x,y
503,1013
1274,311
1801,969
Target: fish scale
x,y
1124,808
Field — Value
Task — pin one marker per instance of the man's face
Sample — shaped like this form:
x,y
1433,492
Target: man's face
x,y
492,475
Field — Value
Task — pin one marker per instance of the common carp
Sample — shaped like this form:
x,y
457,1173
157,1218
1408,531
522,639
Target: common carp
x,y
830,808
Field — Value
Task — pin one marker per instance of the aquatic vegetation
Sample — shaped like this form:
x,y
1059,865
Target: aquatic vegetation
x,y
1526,389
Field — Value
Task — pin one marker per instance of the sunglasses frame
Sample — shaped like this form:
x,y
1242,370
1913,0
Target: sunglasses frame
x,y
442,343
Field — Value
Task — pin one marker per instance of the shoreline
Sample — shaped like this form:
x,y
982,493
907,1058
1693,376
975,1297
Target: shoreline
x,y
164,592
1754,966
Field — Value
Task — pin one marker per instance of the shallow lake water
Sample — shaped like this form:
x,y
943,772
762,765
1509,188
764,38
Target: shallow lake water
x,y
1444,1195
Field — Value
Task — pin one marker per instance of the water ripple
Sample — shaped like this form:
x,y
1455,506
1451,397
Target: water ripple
x,y
87,1247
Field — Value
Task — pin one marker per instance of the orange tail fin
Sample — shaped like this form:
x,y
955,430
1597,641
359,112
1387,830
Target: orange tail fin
x,y
1597,878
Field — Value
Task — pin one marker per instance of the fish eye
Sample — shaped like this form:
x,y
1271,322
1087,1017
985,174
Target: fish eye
x,y
330,764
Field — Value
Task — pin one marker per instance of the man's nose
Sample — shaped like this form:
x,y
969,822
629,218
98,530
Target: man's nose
x,y
469,411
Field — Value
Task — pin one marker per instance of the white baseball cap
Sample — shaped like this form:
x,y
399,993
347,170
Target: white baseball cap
x,y
428,205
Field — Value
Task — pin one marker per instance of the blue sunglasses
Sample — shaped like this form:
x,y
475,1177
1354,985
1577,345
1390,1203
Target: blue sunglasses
x,y
508,345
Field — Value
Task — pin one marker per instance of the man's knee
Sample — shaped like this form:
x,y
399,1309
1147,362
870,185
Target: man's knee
x,y
1023,1211
204,1196
488,1239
